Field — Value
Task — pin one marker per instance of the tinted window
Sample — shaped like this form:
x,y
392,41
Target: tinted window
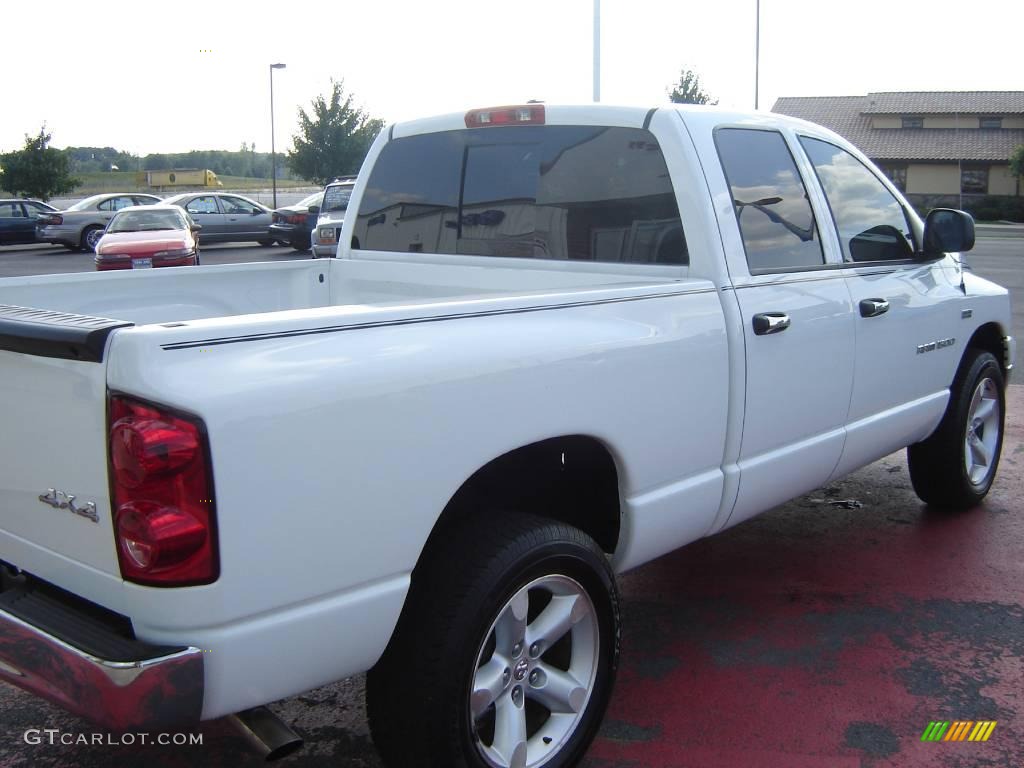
x,y
206,204
553,192
770,200
11,211
871,223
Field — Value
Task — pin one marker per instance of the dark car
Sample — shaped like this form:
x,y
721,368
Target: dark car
x,y
226,218
18,220
293,224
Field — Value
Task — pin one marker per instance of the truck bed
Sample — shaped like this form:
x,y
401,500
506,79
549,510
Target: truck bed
x,y
146,297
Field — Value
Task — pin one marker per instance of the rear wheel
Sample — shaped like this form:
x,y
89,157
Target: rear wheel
x,y
267,242
301,243
90,238
506,651
955,467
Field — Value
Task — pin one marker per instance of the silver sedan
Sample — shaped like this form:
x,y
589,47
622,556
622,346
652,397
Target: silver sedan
x,y
225,217
82,225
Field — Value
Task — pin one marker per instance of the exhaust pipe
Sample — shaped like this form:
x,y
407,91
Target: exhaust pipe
x,y
268,734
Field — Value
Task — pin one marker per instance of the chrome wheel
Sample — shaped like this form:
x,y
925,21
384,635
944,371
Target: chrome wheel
x,y
982,434
534,673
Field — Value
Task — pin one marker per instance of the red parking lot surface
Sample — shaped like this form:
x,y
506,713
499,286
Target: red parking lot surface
x,y
831,634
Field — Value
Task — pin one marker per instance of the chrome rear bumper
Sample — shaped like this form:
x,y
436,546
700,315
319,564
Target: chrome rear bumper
x,y
154,688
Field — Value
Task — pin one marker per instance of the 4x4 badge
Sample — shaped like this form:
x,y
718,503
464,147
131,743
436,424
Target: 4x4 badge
x,y
60,500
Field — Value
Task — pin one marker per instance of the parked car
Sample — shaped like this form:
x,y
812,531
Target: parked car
x,y
293,224
80,226
327,231
148,236
226,218
18,220
589,336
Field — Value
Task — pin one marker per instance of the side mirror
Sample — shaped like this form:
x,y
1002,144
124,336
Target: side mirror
x,y
256,211
195,228
314,209
947,230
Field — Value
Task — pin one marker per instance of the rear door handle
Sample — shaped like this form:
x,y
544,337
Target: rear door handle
x,y
766,323
873,307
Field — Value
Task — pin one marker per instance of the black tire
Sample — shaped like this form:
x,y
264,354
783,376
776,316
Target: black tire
x,y
419,695
302,243
944,472
87,233
267,242
71,247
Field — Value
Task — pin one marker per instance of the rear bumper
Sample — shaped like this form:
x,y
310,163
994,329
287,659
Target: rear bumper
x,y
132,685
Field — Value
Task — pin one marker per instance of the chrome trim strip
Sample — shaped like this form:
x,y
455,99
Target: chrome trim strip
x,y
423,319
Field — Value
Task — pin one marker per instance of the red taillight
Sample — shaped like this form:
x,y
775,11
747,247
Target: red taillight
x,y
527,114
296,218
53,218
164,519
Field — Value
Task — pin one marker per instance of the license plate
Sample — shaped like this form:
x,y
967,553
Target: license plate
x,y
142,263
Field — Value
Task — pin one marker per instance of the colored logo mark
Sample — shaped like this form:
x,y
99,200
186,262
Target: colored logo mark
x,y
959,730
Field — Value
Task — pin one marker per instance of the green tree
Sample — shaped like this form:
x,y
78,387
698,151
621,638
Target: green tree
x,y
38,170
1017,163
333,139
689,90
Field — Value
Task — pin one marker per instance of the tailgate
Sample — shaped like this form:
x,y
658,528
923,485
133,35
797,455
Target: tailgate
x,y
53,448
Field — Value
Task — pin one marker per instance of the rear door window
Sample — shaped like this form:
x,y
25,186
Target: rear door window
x,y
770,200
583,193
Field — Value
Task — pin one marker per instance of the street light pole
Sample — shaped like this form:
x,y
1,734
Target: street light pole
x,y
597,51
757,52
273,152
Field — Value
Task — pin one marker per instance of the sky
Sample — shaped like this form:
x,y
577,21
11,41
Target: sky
x,y
170,77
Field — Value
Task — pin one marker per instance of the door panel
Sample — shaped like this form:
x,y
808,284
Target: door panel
x,y
206,212
798,388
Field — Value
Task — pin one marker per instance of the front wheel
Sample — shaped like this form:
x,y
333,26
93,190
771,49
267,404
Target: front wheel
x,y
955,467
505,653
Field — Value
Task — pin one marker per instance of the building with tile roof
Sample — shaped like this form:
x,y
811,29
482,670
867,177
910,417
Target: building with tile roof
x,y
940,148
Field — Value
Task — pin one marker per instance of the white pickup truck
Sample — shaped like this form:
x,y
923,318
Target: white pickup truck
x,y
558,342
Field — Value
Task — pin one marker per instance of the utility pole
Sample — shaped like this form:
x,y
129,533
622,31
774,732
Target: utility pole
x,y
273,153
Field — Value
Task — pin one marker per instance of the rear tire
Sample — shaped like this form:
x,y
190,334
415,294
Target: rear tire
x,y
267,242
302,243
954,468
91,238
508,622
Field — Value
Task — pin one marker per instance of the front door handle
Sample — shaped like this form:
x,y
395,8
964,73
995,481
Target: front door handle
x,y
873,307
770,322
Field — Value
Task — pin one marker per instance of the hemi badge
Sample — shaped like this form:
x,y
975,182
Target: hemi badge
x,y
966,313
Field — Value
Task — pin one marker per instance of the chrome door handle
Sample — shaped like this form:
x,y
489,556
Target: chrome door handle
x,y
766,323
873,307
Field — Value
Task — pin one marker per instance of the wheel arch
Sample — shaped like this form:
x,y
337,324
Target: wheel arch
x,y
990,337
571,478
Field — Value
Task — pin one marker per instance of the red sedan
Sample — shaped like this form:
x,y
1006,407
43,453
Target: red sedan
x,y
148,236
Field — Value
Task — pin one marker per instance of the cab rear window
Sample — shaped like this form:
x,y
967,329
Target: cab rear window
x,y
551,192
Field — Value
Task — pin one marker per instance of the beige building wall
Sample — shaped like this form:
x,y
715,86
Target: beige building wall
x,y
1001,181
886,122
933,179
951,121
1013,122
